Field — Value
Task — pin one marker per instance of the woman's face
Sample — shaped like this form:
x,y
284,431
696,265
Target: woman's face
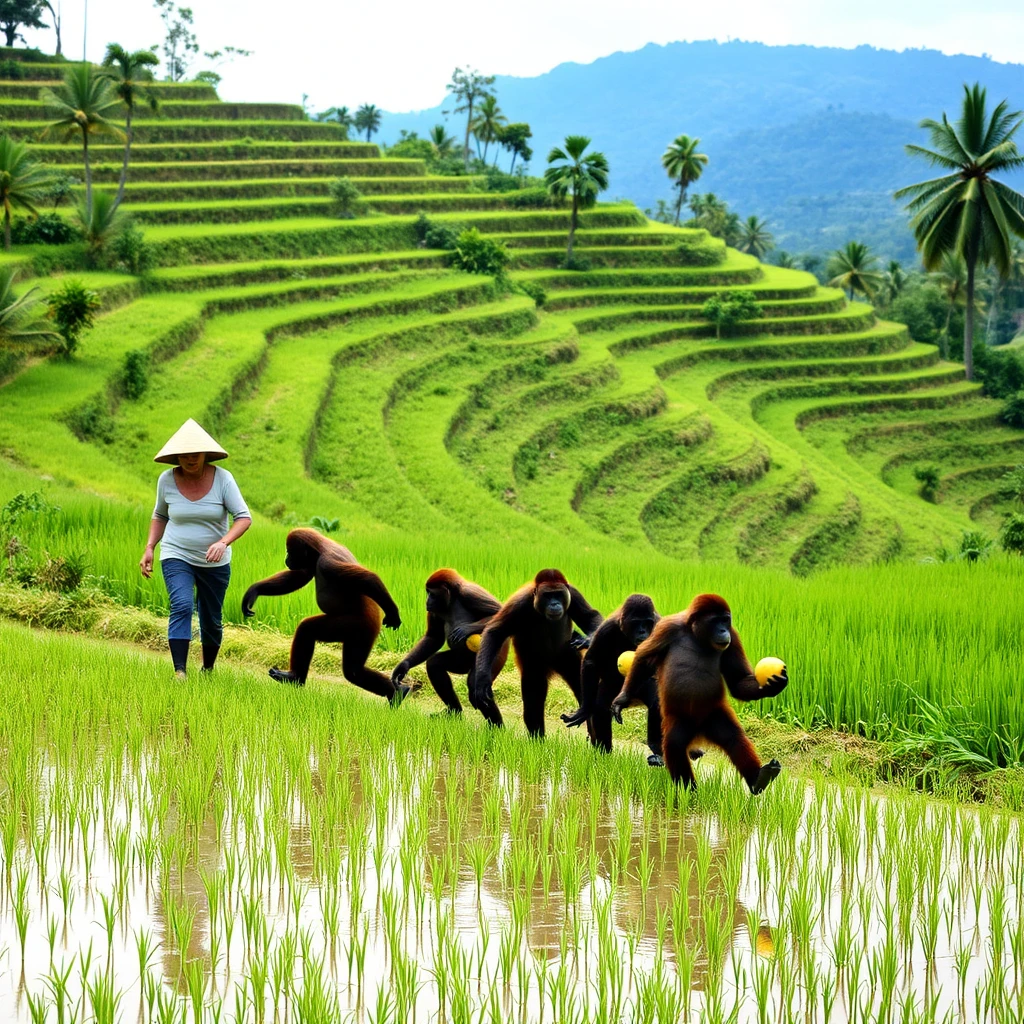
x,y
193,463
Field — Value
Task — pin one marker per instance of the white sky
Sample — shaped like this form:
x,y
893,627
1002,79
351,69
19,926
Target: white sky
x,y
400,53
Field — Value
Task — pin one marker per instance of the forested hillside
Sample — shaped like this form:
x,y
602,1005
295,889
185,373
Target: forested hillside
x,y
809,137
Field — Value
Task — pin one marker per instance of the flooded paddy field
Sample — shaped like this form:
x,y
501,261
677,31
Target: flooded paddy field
x,y
231,850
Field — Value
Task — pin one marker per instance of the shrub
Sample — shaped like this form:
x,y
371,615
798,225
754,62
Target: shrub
x,y
727,310
928,477
411,147
449,166
499,181
579,263
62,187
63,574
347,197
535,291
1011,534
478,254
134,374
436,236
92,421
974,546
1013,483
1013,411
324,525
21,505
1001,373
73,308
130,251
46,229
11,70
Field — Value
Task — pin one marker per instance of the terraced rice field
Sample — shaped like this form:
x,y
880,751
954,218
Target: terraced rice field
x,y
354,373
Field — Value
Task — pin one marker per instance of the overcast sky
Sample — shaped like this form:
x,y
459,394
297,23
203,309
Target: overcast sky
x,y
400,53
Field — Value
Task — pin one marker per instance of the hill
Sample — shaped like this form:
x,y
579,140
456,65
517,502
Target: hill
x,y
355,376
809,137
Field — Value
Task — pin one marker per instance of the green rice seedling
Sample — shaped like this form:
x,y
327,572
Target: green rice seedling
x,y
38,1007
21,910
104,998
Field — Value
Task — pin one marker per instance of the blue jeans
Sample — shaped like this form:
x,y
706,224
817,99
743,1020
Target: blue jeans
x,y
209,584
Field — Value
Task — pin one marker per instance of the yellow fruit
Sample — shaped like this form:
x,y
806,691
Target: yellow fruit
x,y
473,642
625,662
768,667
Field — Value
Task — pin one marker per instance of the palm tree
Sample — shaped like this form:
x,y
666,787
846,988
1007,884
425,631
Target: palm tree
x,y
84,102
98,224
130,72
488,123
367,119
951,278
967,211
755,238
337,115
467,87
684,165
570,172
23,181
22,317
784,259
442,143
854,268
894,280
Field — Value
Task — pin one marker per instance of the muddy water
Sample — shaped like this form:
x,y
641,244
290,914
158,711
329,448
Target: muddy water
x,y
826,905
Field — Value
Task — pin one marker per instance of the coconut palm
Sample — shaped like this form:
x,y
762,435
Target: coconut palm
x,y
467,88
441,142
23,181
98,224
84,103
130,73
967,211
894,280
487,124
337,115
22,317
854,268
574,172
684,165
367,119
784,259
755,238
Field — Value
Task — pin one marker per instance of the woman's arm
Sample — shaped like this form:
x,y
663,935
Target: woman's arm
x,y
215,552
156,531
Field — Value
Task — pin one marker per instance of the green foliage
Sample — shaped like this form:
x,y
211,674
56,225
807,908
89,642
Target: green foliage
x,y
73,308
974,546
180,44
130,251
536,291
854,268
477,254
411,147
22,323
575,263
434,235
92,421
684,165
727,310
924,311
468,88
99,224
714,216
325,524
755,238
22,505
513,138
62,188
573,172
367,119
24,182
1001,373
534,198
46,229
1013,410
11,70
1013,484
928,477
15,14
134,374
1011,534
346,196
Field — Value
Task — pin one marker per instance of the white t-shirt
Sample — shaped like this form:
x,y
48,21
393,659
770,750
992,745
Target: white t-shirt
x,y
192,526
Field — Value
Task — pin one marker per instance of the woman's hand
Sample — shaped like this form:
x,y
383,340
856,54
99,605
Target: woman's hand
x,y
215,552
146,562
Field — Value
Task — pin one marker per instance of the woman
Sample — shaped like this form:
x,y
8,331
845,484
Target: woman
x,y
190,522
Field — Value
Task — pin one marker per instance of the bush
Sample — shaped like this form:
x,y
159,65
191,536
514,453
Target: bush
x,y
449,166
478,254
535,291
974,546
1011,534
324,525
928,477
499,181
62,188
923,310
1013,411
11,70
729,309
72,309
46,229
1000,372
411,147
347,197
134,375
130,251
92,421
436,236
531,199
63,574
579,263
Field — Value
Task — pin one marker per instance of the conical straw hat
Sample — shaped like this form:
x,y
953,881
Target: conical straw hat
x,y
187,440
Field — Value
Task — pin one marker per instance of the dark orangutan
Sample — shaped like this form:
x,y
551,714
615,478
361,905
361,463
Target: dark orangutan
x,y
538,618
351,599
456,610
694,656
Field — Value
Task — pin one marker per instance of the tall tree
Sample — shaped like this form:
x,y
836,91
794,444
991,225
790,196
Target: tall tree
x,y
130,74
441,142
854,268
468,88
84,103
367,119
894,281
337,115
967,211
487,124
684,165
514,139
23,181
574,172
755,238
15,14
180,45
